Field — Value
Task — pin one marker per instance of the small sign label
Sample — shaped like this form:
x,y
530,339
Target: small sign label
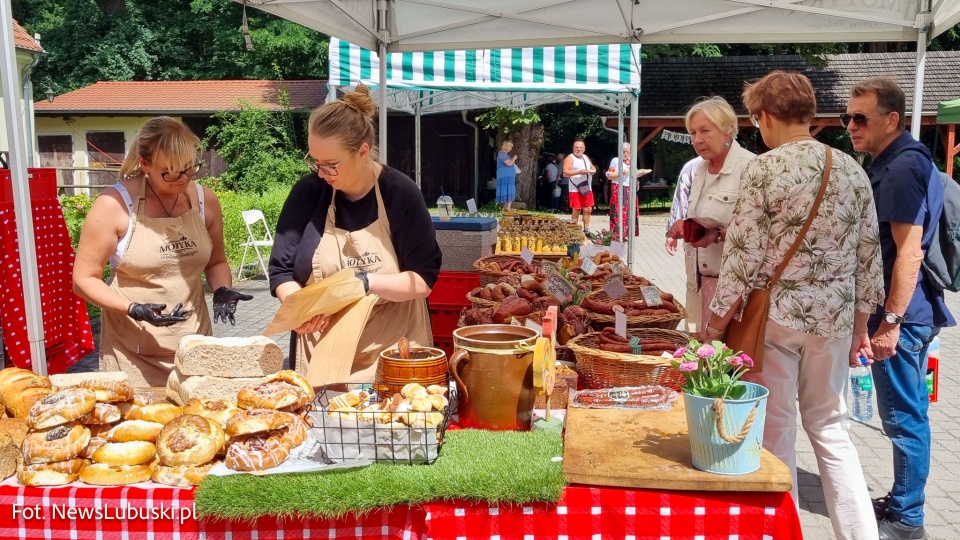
x,y
651,295
472,206
588,266
549,267
618,248
589,252
559,288
526,255
514,322
619,396
620,321
531,324
616,269
614,287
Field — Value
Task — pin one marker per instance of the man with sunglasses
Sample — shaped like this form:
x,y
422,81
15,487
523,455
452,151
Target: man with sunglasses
x,y
909,199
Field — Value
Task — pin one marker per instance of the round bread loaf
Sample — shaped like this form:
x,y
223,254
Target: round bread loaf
x,y
189,440
109,391
61,407
217,410
155,412
22,392
102,413
55,444
134,430
182,475
16,427
101,474
257,421
58,473
125,453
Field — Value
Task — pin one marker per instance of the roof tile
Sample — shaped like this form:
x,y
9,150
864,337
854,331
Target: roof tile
x,y
23,40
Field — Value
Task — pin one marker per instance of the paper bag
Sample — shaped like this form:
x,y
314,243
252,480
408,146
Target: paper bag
x,y
335,349
324,297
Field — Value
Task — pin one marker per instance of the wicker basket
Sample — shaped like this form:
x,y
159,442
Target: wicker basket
x,y
487,276
606,369
478,302
667,322
522,319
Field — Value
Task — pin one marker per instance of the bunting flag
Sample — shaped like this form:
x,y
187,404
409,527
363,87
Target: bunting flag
x,y
672,136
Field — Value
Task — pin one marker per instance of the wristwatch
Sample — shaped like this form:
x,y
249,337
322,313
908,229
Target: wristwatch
x,y
892,318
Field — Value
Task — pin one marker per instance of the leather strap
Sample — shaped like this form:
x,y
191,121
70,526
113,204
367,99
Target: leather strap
x,y
824,180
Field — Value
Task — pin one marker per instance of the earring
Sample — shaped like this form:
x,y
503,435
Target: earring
x,y
726,145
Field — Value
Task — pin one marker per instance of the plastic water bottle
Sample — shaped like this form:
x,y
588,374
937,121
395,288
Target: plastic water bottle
x,y
861,384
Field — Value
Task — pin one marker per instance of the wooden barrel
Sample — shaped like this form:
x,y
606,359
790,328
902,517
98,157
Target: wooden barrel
x,y
426,366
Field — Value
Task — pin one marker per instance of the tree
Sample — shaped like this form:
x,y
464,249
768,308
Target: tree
x,y
526,133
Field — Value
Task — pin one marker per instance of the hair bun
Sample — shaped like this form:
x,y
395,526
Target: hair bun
x,y
360,100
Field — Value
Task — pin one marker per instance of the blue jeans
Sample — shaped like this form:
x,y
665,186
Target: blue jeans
x,y
902,402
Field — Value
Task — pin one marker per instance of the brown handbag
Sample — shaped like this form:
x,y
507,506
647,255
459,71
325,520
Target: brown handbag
x,y
749,333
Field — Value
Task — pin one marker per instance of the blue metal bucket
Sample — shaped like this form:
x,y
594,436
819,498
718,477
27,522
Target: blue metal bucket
x,y
712,453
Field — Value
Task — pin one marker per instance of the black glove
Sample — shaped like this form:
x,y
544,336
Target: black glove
x,y
151,313
225,304
362,276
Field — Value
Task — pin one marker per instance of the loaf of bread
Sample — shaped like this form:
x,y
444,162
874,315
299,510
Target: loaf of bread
x,y
10,457
68,380
181,388
16,427
229,357
21,391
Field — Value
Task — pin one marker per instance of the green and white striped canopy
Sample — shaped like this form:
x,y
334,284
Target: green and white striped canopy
x,y
575,69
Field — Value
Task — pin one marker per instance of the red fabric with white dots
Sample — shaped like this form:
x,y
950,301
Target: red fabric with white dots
x,y
66,325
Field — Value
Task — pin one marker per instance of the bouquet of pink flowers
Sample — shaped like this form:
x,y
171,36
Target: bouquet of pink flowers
x,y
712,370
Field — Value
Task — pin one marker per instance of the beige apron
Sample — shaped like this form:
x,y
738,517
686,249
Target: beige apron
x,y
348,350
162,264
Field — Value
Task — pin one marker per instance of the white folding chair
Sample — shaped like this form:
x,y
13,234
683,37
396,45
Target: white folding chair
x,y
250,219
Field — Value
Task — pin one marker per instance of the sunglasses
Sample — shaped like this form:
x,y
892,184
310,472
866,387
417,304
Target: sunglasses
x,y
329,170
859,119
189,172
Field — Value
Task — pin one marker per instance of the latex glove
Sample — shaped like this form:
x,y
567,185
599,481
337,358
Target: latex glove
x,y
225,304
152,313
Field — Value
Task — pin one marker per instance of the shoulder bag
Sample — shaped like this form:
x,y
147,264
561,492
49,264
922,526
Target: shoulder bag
x,y
583,188
749,333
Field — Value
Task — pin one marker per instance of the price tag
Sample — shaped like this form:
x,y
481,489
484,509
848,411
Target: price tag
x,y
514,322
526,255
472,206
559,288
531,324
588,266
549,267
589,252
618,248
651,295
620,321
616,269
614,286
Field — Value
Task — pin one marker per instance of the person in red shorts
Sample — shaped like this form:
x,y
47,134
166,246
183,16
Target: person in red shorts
x,y
580,170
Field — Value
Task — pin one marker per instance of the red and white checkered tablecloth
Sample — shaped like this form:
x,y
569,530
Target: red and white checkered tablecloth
x,y
66,325
584,513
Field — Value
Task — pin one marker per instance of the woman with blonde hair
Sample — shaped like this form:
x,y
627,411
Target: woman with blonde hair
x,y
161,232
819,307
506,176
619,174
713,192
353,212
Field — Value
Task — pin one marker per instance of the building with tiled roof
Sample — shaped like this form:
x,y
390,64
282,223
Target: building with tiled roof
x,y
23,40
28,53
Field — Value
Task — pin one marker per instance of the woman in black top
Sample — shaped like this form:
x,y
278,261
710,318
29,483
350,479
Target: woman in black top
x,y
355,213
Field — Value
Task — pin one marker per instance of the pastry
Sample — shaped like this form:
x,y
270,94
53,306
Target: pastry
x,y
101,474
257,452
270,395
125,453
189,440
102,413
134,430
58,473
109,391
55,444
217,410
155,412
257,421
181,475
61,407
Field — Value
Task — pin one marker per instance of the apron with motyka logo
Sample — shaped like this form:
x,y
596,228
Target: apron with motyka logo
x,y
162,264
348,350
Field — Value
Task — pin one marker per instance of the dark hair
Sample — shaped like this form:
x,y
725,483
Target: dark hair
x,y
785,95
890,97
350,121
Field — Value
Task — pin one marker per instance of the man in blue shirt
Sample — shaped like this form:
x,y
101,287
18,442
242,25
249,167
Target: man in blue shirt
x,y
909,201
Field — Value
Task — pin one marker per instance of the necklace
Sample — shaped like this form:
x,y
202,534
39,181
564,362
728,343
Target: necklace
x,y
159,200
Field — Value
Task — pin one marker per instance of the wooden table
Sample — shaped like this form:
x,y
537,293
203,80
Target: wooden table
x,y
651,450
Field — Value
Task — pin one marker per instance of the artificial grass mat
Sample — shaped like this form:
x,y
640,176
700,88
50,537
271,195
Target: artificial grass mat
x,y
473,464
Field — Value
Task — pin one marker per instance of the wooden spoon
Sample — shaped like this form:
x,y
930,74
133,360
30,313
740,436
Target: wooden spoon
x,y
404,346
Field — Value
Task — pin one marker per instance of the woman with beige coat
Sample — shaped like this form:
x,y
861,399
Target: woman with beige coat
x,y
713,127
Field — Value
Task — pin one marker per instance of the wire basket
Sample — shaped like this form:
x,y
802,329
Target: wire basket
x,y
666,322
348,434
607,369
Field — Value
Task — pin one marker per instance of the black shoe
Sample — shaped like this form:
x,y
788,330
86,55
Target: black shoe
x,y
897,530
880,505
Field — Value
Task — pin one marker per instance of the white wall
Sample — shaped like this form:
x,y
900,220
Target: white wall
x,y
24,58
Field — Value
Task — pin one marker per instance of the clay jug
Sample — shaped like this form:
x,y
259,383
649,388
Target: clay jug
x,y
493,367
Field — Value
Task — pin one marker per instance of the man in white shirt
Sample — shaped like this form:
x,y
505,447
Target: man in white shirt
x,y
580,170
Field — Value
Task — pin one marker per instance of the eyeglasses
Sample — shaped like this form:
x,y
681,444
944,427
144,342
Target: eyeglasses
x,y
755,119
859,119
189,172
329,170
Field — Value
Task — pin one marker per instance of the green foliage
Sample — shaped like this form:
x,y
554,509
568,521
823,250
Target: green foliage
x,y
165,40
234,231
504,120
259,146
564,124
712,369
75,210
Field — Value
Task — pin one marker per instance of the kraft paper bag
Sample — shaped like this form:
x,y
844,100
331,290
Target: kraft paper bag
x,y
336,349
325,297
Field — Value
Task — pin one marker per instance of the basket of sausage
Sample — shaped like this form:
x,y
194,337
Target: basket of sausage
x,y
493,267
606,360
510,309
667,315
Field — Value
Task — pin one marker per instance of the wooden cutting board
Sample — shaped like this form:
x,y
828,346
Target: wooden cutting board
x,y
650,449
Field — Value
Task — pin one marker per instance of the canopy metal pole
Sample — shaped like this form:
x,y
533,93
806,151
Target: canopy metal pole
x,y
620,138
917,115
634,120
384,38
416,143
33,313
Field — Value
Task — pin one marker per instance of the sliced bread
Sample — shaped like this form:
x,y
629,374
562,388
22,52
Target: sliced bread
x,y
182,388
228,357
